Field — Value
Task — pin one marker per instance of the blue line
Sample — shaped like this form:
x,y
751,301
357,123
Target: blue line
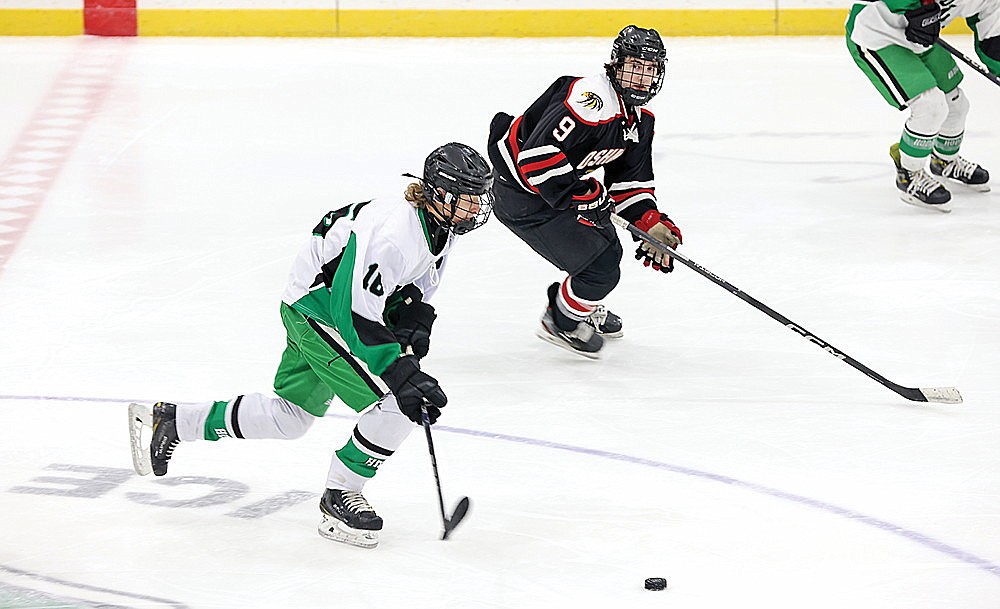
x,y
928,542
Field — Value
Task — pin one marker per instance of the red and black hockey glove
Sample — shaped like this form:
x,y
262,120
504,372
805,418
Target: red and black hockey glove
x,y
594,207
661,228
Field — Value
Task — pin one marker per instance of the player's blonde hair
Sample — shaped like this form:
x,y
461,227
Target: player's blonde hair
x,y
415,195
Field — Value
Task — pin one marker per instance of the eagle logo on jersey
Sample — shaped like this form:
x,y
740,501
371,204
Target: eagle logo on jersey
x,y
591,100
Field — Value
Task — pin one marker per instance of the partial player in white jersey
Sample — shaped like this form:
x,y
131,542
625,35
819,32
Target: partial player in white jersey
x,y
358,320
893,42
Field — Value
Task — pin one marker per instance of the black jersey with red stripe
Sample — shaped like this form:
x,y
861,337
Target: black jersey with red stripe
x,y
574,127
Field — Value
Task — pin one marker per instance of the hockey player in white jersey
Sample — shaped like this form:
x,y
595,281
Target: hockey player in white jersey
x,y
358,320
893,42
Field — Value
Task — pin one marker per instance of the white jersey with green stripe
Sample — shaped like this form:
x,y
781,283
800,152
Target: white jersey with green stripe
x,y
882,23
357,258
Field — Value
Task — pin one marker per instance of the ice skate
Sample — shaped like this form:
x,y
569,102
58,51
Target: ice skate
x,y
962,172
348,518
165,439
140,417
583,340
606,323
918,187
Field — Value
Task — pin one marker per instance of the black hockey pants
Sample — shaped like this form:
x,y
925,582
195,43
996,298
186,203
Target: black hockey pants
x,y
590,255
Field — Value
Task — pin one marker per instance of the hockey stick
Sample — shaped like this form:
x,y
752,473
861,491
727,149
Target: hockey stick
x,y
972,64
462,507
946,395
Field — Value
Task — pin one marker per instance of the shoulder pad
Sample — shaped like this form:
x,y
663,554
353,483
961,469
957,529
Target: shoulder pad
x,y
592,100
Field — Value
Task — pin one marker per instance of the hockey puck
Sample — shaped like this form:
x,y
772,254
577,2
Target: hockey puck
x,y
656,583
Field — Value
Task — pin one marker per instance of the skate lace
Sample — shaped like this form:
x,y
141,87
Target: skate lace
x,y
167,441
960,168
599,316
356,502
920,181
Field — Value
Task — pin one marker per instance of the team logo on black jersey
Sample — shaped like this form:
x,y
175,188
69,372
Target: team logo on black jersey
x,y
631,133
591,100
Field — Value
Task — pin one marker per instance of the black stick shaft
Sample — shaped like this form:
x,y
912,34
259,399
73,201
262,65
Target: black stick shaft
x,y
972,64
948,394
430,447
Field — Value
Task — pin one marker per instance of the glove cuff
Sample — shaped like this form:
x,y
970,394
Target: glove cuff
x,y
650,219
417,313
592,199
399,371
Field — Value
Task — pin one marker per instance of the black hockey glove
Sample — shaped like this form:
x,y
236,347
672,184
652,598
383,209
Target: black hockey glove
x,y
661,228
413,330
923,24
594,208
413,388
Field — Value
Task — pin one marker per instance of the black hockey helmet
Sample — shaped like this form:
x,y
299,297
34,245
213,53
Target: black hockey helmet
x,y
639,43
459,170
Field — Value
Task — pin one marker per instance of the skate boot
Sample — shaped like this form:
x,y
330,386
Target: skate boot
x,y
165,439
348,518
583,339
605,322
964,172
918,188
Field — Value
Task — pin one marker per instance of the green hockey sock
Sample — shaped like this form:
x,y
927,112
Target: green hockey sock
x,y
359,462
914,145
946,146
215,424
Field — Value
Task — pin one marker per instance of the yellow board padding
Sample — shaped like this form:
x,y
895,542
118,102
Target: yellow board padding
x,y
41,22
447,23
237,22
451,23
552,23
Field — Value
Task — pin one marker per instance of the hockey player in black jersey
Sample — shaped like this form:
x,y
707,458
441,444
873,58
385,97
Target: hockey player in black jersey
x,y
547,195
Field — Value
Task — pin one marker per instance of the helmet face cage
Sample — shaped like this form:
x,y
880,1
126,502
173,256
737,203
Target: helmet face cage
x,y
638,43
467,182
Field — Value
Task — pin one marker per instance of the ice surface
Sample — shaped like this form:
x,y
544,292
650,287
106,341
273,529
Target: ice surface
x,y
710,446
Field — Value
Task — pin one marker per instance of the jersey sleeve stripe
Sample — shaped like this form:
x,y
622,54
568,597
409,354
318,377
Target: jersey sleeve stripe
x,y
630,185
539,165
558,171
619,197
515,153
511,165
623,205
533,152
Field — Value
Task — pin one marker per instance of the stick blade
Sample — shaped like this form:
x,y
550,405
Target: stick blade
x,y
461,509
944,395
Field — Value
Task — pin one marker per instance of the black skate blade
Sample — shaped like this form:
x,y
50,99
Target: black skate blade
x,y
461,509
